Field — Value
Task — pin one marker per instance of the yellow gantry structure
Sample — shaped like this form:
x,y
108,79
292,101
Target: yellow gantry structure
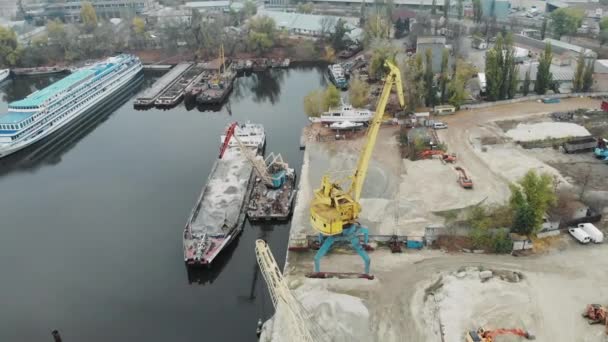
x,y
332,208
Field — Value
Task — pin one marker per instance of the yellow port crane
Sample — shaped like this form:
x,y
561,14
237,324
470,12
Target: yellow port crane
x,y
333,211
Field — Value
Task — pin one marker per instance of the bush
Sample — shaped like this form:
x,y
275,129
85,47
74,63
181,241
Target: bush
x,y
501,242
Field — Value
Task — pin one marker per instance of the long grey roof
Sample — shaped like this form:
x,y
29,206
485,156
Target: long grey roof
x,y
560,73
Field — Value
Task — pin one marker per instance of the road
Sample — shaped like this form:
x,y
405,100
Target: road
x,y
457,137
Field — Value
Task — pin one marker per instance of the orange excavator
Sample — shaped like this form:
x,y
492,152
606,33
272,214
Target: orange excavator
x,y
483,335
596,313
446,158
463,179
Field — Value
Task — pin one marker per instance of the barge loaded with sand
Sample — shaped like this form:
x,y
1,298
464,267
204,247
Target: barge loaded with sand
x,y
218,216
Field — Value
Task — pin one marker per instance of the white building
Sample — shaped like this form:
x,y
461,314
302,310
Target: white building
x,y
311,24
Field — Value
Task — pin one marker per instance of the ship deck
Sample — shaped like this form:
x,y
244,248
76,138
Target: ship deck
x,y
223,196
162,83
174,92
272,204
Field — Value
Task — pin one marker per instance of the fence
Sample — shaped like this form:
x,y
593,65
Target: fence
x,y
531,98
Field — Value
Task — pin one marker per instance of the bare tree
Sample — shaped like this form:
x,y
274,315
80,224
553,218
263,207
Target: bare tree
x,y
327,24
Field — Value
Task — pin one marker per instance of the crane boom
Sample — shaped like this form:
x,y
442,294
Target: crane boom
x,y
393,78
333,208
300,325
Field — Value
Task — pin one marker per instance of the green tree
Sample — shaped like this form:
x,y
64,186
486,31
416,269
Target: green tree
x,y
443,77
337,36
566,20
579,74
477,11
380,54
10,52
604,23
530,199
588,76
305,8
413,81
400,27
544,77
313,103
88,16
331,97
429,79
249,9
358,93
501,69
603,37
457,87
376,27
446,8
139,25
460,9
262,33
526,86
543,28
434,7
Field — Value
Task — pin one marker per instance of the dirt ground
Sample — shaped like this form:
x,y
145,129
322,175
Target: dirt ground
x,y
548,300
403,196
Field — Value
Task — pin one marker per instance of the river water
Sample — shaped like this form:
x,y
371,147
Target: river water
x,y
91,224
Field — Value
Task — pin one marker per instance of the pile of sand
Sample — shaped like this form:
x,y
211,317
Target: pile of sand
x,y
465,303
546,130
341,318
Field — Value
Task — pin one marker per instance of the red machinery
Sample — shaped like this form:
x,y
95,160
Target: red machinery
x,y
605,106
229,134
596,313
483,335
447,158
463,179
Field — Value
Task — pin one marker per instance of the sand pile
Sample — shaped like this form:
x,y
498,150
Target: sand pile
x,y
546,130
466,302
342,318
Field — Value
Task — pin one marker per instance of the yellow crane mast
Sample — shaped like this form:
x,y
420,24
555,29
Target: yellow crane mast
x,y
333,211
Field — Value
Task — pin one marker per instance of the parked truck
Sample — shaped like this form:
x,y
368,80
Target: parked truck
x,y
579,144
580,235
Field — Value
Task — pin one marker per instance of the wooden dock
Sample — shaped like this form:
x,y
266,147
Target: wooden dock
x,y
150,95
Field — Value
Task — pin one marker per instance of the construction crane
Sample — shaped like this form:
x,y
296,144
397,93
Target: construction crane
x,y
333,211
299,324
483,335
261,165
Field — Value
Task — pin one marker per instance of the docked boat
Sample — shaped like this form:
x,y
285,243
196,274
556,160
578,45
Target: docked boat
x,y
54,107
346,125
345,113
219,214
4,74
337,76
274,190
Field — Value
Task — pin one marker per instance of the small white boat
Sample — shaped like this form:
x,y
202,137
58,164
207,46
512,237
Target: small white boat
x,y
4,74
345,113
346,125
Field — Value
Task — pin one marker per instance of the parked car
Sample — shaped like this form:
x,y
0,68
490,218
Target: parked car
x,y
595,234
580,235
440,125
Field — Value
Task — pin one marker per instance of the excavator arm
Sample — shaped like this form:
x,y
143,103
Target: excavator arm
x,y
393,78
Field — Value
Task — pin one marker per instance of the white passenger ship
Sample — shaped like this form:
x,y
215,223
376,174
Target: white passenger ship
x,y
48,110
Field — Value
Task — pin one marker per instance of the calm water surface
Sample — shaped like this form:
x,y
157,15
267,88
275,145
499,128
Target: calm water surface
x,y
90,224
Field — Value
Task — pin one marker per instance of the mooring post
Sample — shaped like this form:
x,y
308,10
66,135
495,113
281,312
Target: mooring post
x,y
56,336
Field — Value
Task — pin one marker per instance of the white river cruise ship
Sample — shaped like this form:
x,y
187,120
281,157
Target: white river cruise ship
x,y
54,107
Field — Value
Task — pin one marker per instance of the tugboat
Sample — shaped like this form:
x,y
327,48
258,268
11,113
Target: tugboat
x,y
337,76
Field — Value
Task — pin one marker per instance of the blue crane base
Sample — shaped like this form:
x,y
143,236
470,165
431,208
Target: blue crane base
x,y
350,234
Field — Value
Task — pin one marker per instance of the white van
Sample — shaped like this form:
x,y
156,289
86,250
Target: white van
x,y
595,234
439,125
580,235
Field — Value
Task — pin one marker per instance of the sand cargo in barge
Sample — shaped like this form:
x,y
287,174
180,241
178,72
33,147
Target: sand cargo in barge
x,y
218,216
